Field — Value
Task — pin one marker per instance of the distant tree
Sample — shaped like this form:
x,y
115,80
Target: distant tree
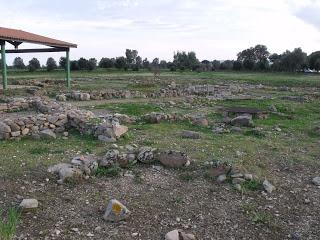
x,y
155,62
138,63
18,63
34,65
92,64
172,66
226,65
254,58
51,64
215,65
63,62
106,63
293,61
205,66
131,56
237,65
83,63
314,60
163,64
121,63
74,65
185,60
145,63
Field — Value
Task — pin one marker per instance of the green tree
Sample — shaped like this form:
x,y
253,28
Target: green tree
x,y
146,63
163,64
106,63
83,63
293,61
215,65
51,64
237,65
34,65
74,65
131,56
92,64
18,63
63,62
314,60
121,63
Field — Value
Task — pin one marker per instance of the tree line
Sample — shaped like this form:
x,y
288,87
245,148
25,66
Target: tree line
x,y
256,58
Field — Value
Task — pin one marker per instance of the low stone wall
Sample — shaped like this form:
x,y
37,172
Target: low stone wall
x,y
56,118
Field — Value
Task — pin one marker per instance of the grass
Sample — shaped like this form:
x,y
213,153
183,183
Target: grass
x,y
8,227
108,172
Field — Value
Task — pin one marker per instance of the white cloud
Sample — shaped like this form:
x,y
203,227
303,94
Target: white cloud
x,y
215,29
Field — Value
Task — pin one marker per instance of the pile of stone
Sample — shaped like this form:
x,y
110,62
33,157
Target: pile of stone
x,y
81,167
14,105
57,118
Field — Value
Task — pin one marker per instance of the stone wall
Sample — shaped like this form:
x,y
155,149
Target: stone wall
x,y
54,118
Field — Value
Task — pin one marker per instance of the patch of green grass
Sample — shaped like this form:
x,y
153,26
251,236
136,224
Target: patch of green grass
x,y
39,150
187,177
131,109
252,185
254,133
108,172
8,227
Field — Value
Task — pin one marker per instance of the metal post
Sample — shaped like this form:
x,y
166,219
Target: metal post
x,y
4,66
68,69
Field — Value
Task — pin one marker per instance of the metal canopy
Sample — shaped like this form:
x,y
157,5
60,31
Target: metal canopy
x,y
17,37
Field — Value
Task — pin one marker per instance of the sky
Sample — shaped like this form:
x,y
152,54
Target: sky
x,y
214,29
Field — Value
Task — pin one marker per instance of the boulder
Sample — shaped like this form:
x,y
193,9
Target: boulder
x,y
146,154
268,186
316,181
200,121
179,235
28,204
174,159
190,134
47,134
110,159
65,172
242,120
116,211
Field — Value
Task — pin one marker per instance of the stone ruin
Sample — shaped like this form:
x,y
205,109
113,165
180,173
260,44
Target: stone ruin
x,y
52,118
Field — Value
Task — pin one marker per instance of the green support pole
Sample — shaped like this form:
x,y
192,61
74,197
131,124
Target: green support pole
x,y
4,66
68,69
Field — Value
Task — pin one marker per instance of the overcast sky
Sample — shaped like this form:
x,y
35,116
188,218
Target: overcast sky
x,y
214,29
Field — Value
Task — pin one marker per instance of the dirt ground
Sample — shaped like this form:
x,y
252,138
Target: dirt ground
x,y
161,201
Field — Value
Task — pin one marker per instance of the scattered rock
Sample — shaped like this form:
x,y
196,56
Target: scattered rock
x,y
115,211
222,178
316,181
47,134
243,121
179,235
174,159
190,134
28,204
268,186
200,121
146,154
248,176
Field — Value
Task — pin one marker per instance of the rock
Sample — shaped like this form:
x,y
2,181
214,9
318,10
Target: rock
x,y
115,211
190,134
237,175
65,171
268,186
238,180
236,129
222,178
219,170
200,121
316,181
179,235
110,159
242,120
106,139
28,204
61,98
146,154
15,134
237,186
272,108
174,159
47,134
248,176
4,128
119,130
